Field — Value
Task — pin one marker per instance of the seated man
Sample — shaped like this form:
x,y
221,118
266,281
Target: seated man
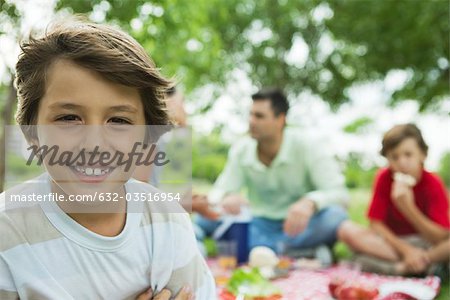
x,y
293,184
409,222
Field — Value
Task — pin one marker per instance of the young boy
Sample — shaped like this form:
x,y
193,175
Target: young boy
x,y
409,212
90,87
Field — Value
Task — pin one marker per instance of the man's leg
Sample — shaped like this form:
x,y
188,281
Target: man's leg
x,y
204,227
321,229
265,232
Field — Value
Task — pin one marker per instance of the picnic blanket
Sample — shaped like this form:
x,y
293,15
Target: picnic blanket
x,y
313,285
304,284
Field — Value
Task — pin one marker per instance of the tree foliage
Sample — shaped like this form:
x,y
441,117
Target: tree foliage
x,y
444,169
348,42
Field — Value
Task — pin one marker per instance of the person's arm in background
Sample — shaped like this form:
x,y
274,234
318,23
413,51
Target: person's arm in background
x,y
325,176
198,203
228,185
328,187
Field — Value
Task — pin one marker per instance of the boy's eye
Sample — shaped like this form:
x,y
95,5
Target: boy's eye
x,y
68,118
116,120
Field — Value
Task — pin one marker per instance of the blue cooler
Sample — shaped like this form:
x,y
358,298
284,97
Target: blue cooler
x,y
236,228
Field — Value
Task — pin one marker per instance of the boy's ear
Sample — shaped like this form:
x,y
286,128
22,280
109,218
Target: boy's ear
x,y
30,134
424,157
33,142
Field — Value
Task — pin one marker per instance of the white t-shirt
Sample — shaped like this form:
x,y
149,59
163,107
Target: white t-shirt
x,y
45,254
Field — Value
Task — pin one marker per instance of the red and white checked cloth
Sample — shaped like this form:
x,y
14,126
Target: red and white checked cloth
x,y
313,285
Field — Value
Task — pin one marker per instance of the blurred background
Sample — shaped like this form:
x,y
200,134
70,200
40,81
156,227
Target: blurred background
x,y
351,69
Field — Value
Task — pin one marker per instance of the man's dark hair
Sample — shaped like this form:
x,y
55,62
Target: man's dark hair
x,y
171,91
276,97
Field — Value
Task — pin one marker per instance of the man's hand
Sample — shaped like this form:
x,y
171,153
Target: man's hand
x,y
231,204
402,196
415,259
198,203
201,205
184,294
298,217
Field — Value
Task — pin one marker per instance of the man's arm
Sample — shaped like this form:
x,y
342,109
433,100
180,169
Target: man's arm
x,y
325,176
231,180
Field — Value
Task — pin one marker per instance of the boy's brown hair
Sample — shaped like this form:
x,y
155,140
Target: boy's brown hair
x,y
113,54
398,134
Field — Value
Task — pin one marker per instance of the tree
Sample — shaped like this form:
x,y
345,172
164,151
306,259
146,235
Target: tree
x,y
202,41
444,169
8,16
405,35
344,42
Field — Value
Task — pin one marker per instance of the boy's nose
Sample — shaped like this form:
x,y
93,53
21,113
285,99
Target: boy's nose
x,y
92,137
403,164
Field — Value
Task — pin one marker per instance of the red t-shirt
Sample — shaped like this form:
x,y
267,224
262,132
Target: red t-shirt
x,y
430,197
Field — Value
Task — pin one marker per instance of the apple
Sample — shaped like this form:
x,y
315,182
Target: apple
x,y
334,284
356,291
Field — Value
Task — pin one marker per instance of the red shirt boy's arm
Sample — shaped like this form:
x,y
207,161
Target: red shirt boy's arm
x,y
380,196
438,205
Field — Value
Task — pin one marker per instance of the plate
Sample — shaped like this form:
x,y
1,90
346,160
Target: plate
x,y
414,289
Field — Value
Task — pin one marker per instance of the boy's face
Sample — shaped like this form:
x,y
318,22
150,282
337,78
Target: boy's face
x,y
407,158
80,111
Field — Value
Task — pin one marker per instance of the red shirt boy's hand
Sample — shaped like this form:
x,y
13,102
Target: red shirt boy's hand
x,y
415,259
402,196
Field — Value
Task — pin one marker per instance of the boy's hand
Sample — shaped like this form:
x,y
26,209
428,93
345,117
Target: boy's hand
x,y
184,294
402,195
298,217
416,260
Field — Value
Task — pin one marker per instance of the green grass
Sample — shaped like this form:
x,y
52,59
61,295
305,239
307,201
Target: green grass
x,y
357,208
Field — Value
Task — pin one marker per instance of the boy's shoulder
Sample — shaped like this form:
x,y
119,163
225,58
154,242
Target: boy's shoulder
x,y
22,196
383,175
431,179
23,223
156,210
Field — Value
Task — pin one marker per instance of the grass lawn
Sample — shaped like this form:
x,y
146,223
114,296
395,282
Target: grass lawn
x,y
357,209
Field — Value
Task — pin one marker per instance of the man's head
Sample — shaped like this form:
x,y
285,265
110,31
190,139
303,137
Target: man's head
x,y
268,114
175,107
405,149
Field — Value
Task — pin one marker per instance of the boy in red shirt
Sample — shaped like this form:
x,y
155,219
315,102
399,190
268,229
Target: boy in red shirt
x,y
409,211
